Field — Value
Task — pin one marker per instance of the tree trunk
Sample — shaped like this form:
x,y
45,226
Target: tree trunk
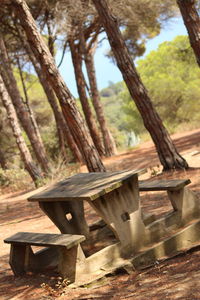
x,y
74,119
3,163
192,23
24,151
168,155
23,113
62,127
64,133
109,143
80,82
44,162
49,93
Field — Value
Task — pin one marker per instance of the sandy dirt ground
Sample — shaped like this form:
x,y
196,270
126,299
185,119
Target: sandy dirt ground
x,y
176,278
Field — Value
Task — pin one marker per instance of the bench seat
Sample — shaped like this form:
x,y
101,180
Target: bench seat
x,y
185,202
163,185
45,239
61,248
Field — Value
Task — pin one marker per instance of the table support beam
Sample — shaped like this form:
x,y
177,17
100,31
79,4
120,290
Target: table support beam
x,y
58,211
120,209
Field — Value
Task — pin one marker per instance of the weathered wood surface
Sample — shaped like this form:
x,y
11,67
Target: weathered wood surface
x,y
163,185
122,212
45,239
59,211
85,186
66,250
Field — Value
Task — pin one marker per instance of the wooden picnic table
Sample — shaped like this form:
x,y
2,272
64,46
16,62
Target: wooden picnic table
x,y
115,198
113,195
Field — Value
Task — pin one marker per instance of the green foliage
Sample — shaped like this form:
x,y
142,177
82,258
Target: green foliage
x,y
113,101
171,76
141,20
50,140
16,179
44,118
113,89
37,98
7,141
42,112
124,119
132,120
60,170
4,180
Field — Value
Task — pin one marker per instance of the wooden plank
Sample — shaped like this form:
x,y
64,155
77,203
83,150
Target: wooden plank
x,y
85,186
163,185
17,258
45,239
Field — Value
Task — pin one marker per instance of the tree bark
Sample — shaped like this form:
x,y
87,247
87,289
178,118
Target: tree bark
x,y
26,103
23,113
24,151
74,119
3,162
62,127
109,143
80,82
168,155
192,23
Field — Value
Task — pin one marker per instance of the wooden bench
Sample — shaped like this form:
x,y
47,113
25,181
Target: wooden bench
x,y
62,247
184,201
163,185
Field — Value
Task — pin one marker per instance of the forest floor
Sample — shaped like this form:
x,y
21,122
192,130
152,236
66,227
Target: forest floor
x,y
176,278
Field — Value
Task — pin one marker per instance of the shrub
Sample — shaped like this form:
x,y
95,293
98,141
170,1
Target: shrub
x,y
15,179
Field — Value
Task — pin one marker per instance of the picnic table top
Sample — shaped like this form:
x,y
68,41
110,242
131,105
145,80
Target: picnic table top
x,y
85,186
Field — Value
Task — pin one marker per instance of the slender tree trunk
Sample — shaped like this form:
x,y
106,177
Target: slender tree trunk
x,y
74,119
62,127
109,143
48,91
3,160
44,162
3,163
51,37
80,82
23,113
24,151
169,157
192,23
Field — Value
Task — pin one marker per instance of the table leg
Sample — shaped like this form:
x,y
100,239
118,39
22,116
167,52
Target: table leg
x,y
120,209
17,258
186,203
58,212
69,261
